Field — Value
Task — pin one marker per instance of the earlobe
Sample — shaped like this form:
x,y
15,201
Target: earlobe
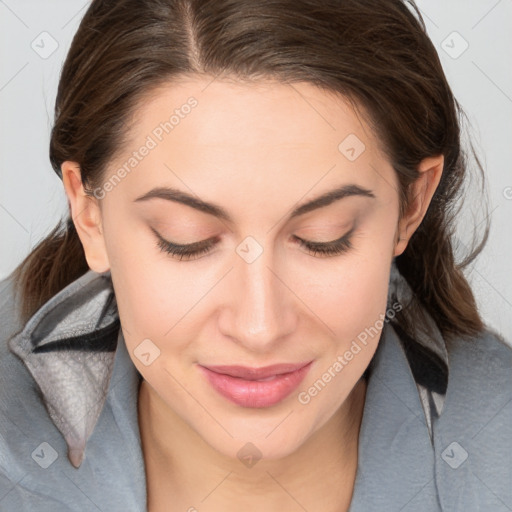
x,y
422,191
86,214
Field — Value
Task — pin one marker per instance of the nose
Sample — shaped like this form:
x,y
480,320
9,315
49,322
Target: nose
x,y
259,313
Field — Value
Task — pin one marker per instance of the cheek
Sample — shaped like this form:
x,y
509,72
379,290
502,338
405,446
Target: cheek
x,y
158,298
152,304
353,305
147,300
350,294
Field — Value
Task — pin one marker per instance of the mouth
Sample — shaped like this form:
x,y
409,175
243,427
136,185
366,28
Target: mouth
x,y
256,387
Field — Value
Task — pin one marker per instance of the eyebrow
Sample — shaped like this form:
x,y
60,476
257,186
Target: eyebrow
x,y
179,196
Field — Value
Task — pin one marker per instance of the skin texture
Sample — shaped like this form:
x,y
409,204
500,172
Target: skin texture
x,y
258,151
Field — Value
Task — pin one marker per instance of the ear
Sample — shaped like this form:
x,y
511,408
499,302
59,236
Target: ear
x,y
430,169
86,215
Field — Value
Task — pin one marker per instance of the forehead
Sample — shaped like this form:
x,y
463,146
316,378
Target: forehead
x,y
251,113
287,136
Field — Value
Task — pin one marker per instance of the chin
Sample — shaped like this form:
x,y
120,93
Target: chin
x,y
272,437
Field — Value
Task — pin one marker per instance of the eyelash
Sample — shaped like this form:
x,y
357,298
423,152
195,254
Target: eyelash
x,y
187,252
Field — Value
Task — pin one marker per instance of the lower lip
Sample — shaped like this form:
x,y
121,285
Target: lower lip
x,y
251,393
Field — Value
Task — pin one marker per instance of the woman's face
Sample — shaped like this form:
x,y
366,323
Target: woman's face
x,y
241,166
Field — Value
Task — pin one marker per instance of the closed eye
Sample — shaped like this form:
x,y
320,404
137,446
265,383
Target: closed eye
x,y
333,248
197,249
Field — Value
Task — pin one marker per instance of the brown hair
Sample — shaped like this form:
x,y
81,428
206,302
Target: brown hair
x,y
375,52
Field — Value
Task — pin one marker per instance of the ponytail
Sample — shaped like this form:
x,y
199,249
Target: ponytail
x,y
56,261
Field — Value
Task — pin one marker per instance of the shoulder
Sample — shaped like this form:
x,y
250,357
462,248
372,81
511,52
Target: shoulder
x,y
23,419
21,409
480,377
482,363
35,472
29,441
473,435
12,371
15,379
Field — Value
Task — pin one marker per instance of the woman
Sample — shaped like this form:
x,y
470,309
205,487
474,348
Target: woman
x,y
254,303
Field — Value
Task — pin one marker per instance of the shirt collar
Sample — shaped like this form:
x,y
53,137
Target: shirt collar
x,y
395,467
69,347
71,343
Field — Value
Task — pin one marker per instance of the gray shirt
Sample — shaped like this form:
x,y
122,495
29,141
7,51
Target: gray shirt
x,y
436,433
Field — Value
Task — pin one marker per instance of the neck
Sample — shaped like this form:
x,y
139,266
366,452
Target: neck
x,y
184,472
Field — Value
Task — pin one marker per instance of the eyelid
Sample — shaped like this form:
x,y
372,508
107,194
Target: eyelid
x,y
196,249
199,245
208,241
328,242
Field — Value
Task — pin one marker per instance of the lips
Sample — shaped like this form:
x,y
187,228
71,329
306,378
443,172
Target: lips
x,y
243,372
256,387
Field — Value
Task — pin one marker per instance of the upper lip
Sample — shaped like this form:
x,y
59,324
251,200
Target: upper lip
x,y
247,373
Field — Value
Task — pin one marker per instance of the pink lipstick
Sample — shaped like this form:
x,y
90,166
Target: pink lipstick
x,y
256,387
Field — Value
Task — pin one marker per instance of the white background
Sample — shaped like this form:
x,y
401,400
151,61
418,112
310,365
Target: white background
x,y
32,198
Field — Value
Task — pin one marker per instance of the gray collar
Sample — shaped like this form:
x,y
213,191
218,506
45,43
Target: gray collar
x,y
423,344
74,337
